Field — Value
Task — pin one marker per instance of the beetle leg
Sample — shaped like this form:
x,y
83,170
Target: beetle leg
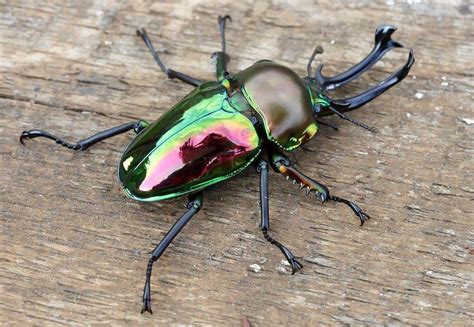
x,y
383,43
221,57
137,126
283,165
262,169
170,72
194,205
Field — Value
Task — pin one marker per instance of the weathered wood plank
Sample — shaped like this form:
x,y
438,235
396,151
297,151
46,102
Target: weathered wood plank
x,y
74,249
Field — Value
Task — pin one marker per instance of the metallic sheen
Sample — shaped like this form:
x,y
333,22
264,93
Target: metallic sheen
x,y
201,141
282,101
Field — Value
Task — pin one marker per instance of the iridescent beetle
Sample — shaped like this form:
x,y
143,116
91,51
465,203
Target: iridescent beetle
x,y
224,126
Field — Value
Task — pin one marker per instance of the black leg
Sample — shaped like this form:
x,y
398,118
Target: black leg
x,y
221,57
283,165
137,126
383,43
171,73
262,169
194,205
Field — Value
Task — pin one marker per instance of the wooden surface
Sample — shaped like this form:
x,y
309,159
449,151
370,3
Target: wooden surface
x,y
74,248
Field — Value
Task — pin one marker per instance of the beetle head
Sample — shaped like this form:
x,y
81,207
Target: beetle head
x,y
318,99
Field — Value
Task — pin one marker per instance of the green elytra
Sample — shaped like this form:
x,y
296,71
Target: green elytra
x,y
160,164
222,127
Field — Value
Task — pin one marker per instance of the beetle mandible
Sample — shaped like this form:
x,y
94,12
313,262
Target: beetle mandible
x,y
224,126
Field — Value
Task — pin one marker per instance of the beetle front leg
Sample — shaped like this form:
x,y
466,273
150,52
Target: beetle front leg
x,y
283,165
194,205
262,169
81,145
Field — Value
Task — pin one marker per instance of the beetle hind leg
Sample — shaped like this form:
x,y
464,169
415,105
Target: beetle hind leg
x,y
194,205
262,169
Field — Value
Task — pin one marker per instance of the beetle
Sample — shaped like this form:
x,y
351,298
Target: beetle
x,y
224,126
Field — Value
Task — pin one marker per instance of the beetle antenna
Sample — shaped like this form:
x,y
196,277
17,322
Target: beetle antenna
x,y
352,120
318,50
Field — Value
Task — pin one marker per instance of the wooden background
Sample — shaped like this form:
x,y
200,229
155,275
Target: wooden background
x,y
74,249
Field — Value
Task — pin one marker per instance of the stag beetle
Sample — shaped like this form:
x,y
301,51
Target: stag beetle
x,y
222,127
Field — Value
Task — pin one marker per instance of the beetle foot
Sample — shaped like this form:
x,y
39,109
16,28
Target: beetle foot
x,y
146,299
147,306
363,217
31,134
295,265
354,207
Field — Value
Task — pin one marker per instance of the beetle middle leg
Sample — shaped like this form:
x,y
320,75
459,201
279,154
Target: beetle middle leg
x,y
170,72
262,169
81,145
282,164
194,205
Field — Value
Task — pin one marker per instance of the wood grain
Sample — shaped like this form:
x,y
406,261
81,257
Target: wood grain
x,y
74,248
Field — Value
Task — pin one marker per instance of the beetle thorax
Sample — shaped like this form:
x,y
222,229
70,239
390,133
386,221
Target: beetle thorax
x,y
282,102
